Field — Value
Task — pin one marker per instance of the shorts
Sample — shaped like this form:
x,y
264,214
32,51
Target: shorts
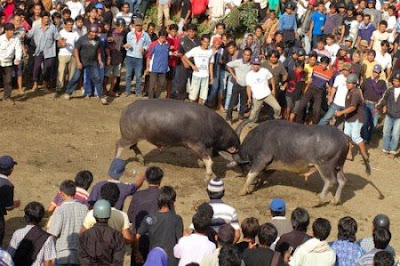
x,y
198,88
171,73
113,71
292,104
353,130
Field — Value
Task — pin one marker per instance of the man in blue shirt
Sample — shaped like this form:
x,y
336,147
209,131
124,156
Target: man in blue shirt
x,y
318,19
157,64
288,24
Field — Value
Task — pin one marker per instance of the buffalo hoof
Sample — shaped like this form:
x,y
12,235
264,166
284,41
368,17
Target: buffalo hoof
x,y
200,163
140,158
209,176
243,191
335,202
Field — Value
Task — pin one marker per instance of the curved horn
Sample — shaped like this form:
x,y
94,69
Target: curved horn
x,y
241,126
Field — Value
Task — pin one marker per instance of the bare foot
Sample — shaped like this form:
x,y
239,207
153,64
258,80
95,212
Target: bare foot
x,y
21,92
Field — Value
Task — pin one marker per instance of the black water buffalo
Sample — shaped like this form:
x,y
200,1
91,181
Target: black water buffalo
x,y
164,122
301,149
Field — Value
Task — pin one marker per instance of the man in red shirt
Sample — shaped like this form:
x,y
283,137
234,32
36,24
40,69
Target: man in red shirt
x,y
174,42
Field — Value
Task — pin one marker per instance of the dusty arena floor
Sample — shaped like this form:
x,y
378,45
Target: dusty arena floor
x,y
52,139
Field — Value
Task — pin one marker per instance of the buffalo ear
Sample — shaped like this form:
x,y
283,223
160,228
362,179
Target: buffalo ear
x,y
226,155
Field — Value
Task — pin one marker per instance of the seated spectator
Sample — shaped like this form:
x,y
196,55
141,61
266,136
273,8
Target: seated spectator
x,y
164,226
118,220
367,243
101,244
83,180
144,202
194,247
229,256
347,251
381,238
117,169
31,245
262,254
278,212
226,237
383,258
250,228
315,251
300,221
223,213
65,225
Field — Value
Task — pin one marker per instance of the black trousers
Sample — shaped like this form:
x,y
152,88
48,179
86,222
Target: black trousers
x,y
6,74
158,82
238,92
316,95
2,229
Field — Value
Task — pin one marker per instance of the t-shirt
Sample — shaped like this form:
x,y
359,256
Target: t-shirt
x,y
81,195
378,37
321,77
319,20
76,8
87,49
193,248
241,70
125,189
71,38
118,220
341,90
202,59
354,98
260,256
258,83
347,23
164,230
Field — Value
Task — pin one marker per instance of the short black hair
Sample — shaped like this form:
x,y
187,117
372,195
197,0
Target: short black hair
x,y
219,24
34,212
201,221
300,219
45,13
6,172
325,60
154,175
383,22
70,20
173,27
205,36
126,3
84,178
321,228
9,26
247,49
267,234
347,229
66,11
167,197
151,24
381,237
79,17
383,258
229,256
206,207
163,32
19,12
250,227
274,53
191,27
231,44
68,187
110,191
216,195
299,63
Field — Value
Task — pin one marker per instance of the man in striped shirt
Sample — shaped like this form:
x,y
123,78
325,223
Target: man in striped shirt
x,y
321,79
223,213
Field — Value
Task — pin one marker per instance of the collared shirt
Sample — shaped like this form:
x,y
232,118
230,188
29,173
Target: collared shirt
x,y
46,253
287,22
241,69
139,45
9,49
347,253
45,40
158,54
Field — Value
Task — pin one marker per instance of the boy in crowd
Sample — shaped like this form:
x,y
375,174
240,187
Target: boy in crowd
x,y
250,228
381,237
278,212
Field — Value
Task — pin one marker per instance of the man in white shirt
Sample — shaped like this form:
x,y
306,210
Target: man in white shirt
x,y
337,95
76,8
202,70
258,90
385,60
10,54
65,54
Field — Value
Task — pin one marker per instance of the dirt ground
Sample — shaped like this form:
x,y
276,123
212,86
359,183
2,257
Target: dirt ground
x,y
52,139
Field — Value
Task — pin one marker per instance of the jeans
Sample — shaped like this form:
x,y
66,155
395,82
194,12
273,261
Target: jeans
x,y
238,92
331,113
132,65
88,83
218,86
391,134
94,75
228,96
371,120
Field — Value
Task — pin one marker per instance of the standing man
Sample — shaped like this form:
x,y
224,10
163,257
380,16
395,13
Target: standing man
x,y
137,42
7,202
45,36
157,64
88,56
202,70
258,91
354,116
10,53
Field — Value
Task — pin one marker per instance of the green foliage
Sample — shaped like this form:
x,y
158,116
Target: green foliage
x,y
242,19
151,14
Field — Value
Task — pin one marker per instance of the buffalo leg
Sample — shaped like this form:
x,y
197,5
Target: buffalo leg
x,y
342,181
120,146
251,176
205,158
329,177
139,155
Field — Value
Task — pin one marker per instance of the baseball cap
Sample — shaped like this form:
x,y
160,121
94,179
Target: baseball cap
x,y
364,43
216,185
346,66
277,205
255,61
348,39
99,6
7,162
139,22
117,168
377,68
